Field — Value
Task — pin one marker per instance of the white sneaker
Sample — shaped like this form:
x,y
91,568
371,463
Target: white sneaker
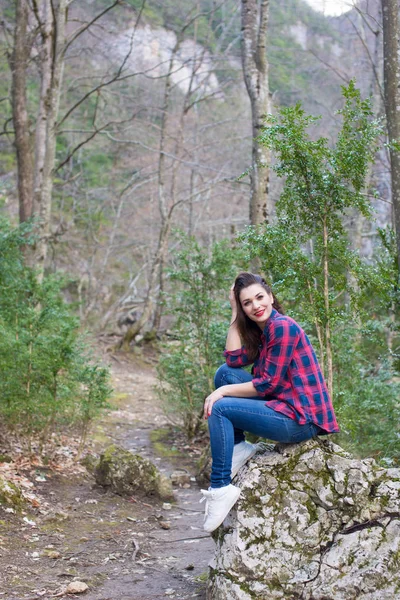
x,y
241,454
219,502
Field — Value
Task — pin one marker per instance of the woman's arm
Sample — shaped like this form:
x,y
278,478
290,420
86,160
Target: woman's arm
x,y
235,354
233,341
239,390
238,358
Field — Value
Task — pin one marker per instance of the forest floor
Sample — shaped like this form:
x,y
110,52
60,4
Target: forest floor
x,y
120,547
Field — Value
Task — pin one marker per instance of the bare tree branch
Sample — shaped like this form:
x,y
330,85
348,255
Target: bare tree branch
x,y
35,10
93,134
363,16
116,77
336,71
86,26
168,154
372,62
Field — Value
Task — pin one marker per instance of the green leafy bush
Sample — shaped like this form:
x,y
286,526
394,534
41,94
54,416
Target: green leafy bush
x,y
367,392
48,375
346,303
200,281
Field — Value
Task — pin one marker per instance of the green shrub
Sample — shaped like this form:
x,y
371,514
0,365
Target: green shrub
x,y
48,375
347,304
199,304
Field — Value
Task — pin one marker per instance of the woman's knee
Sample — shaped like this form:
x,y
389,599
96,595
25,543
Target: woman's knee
x,y
226,375
219,407
220,375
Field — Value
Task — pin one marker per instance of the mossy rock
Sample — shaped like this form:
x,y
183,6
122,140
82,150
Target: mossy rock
x,y
5,458
90,462
10,494
312,522
130,474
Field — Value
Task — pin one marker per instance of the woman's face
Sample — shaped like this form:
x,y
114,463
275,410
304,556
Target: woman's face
x,y
256,303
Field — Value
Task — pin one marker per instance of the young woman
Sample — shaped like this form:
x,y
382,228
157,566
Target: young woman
x,y
285,399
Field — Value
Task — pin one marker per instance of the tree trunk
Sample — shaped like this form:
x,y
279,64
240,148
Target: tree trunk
x,y
19,62
148,307
328,343
391,70
165,214
255,71
52,67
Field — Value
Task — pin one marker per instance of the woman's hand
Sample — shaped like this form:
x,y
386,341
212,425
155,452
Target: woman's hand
x,y
232,300
210,400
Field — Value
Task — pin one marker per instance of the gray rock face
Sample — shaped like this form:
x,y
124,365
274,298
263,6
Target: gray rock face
x,y
312,523
128,474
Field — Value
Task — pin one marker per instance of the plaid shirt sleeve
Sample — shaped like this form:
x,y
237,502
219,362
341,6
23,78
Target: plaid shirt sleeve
x,y
281,345
237,358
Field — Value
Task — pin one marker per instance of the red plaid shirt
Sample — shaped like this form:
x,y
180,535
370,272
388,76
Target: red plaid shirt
x,y
286,373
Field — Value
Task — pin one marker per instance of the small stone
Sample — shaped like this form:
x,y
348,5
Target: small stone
x,y
76,587
165,525
190,567
169,592
54,554
180,477
167,506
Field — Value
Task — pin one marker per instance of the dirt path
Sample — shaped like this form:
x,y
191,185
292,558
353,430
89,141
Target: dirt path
x,y
117,546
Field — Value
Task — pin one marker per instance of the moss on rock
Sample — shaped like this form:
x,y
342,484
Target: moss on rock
x,y
312,522
130,474
10,494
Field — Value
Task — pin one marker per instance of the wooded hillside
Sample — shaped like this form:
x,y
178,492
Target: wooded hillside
x,y
128,136
118,127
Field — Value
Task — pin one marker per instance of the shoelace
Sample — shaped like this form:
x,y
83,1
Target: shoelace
x,y
206,495
264,447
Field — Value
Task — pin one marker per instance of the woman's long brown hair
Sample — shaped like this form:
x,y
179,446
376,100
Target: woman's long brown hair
x,y
249,331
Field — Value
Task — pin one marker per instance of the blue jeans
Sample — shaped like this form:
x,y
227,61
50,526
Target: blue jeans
x,y
231,417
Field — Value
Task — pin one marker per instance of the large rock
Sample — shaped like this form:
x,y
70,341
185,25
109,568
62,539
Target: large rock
x,y
129,474
312,523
